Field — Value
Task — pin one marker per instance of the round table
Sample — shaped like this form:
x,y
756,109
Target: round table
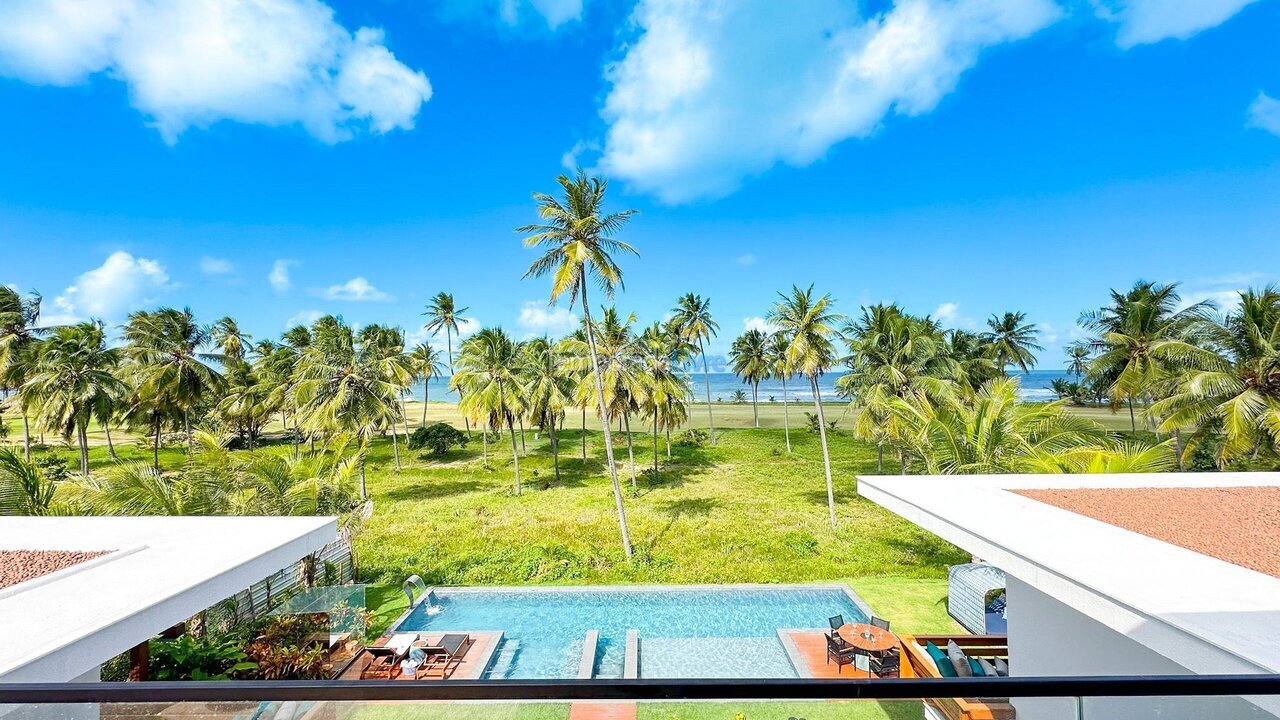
x,y
867,638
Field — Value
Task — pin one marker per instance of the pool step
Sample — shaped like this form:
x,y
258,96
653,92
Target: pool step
x,y
504,661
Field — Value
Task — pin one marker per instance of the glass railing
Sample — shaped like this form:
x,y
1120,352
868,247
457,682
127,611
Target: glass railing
x,y
1070,698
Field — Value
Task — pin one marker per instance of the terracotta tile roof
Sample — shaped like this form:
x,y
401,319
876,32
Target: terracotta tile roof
x,y
18,566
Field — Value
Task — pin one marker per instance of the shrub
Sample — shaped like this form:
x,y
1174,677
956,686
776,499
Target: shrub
x,y
693,437
437,439
192,658
811,423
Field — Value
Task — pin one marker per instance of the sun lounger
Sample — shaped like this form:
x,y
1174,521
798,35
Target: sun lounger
x,y
445,656
384,660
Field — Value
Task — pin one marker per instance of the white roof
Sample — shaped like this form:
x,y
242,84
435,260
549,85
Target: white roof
x,y
163,570
1205,614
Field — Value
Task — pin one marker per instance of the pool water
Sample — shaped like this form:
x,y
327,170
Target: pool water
x,y
683,632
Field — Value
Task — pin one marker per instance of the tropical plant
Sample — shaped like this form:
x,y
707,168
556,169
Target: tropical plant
x,y
1012,340
170,373
425,361
1236,389
692,319
1078,356
809,324
780,368
662,392
197,658
579,243
226,335
548,388
739,397
489,385
248,402
73,381
24,487
437,439
443,314
749,356
19,338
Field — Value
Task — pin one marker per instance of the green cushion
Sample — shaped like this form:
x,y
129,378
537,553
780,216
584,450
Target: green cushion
x,y
977,669
940,659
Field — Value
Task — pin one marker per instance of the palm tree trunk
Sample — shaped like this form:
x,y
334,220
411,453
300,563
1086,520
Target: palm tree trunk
x,y
111,448
484,436
515,456
1133,423
155,448
524,452
26,437
395,446
786,419
826,456
655,441
83,437
706,376
555,449
426,391
364,490
604,416
668,443
1177,443
584,433
631,455
755,403
879,457
186,424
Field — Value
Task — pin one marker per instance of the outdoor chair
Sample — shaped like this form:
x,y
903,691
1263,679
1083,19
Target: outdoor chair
x,y
836,622
840,652
885,664
446,655
880,622
384,663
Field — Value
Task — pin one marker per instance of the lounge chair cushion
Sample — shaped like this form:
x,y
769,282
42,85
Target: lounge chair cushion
x,y
958,659
945,668
988,670
976,668
1002,668
402,642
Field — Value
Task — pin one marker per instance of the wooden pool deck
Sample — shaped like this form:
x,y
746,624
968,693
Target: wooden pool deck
x,y
808,652
472,666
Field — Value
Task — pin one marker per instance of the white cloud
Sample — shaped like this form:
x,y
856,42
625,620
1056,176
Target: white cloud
x,y
515,13
758,323
1222,290
571,160
215,266
1150,21
1264,113
357,289
191,63
119,285
712,92
279,275
946,312
538,318
747,259
303,317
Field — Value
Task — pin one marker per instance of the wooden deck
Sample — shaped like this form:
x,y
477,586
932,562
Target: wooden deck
x,y
808,652
471,668
602,711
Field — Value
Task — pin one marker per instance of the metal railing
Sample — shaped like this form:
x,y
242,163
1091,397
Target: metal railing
x,y
805,689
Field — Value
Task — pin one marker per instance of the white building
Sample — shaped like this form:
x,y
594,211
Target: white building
x,y
1090,597
156,572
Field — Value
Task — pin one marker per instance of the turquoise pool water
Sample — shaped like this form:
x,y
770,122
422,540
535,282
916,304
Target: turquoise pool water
x,y
683,633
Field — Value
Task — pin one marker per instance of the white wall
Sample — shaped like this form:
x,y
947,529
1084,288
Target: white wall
x,y
1048,638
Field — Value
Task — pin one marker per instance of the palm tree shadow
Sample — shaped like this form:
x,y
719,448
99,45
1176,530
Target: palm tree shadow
x,y
698,507
430,490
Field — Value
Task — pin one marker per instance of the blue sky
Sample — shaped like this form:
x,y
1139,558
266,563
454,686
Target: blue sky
x,y
278,159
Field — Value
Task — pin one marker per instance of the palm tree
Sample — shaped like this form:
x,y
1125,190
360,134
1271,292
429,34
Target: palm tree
x,y
662,391
750,358
1238,388
619,370
692,319
384,347
443,314
230,341
1141,337
172,374
809,324
339,387
249,401
24,488
780,368
548,388
19,336
73,381
426,367
1078,355
579,249
489,382
1013,341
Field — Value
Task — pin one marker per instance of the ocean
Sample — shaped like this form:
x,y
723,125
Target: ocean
x,y
1036,386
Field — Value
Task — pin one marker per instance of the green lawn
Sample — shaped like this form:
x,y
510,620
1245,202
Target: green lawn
x,y
800,710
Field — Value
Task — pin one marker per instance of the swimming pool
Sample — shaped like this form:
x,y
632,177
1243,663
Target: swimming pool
x,y
684,632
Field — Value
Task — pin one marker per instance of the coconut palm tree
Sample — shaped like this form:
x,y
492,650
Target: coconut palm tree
x,y
1141,337
1238,389
426,367
488,376
692,319
662,390
74,381
1078,355
171,373
443,314
19,336
809,325
548,388
749,356
620,373
780,368
579,247
249,401
229,339
384,347
342,387
1012,340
